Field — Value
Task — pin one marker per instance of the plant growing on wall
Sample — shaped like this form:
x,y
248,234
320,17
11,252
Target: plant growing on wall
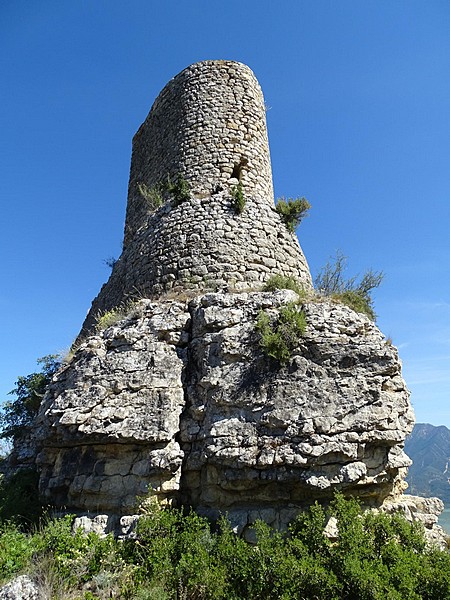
x,y
178,189
238,198
331,282
279,338
292,211
153,195
116,314
283,282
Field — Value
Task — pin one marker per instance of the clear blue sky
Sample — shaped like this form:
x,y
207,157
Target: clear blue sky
x,y
359,124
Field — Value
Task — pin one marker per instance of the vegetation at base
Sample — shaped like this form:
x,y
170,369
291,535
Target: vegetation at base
x,y
357,295
280,338
238,198
282,282
292,211
17,416
182,556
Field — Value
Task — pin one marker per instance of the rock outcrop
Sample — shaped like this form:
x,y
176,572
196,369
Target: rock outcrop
x,y
179,400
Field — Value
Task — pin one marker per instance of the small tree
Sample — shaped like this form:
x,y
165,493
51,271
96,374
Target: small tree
x,y
19,414
331,282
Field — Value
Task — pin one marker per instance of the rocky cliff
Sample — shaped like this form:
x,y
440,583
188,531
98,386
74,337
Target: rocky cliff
x,y
179,400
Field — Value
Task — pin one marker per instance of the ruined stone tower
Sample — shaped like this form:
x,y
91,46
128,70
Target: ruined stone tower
x,y
208,127
178,399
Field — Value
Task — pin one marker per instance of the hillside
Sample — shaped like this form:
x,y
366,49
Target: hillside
x,y
429,449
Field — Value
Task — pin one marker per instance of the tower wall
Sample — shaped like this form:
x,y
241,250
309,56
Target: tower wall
x,y
208,126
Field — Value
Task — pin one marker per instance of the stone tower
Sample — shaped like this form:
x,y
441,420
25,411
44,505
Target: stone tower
x,y
208,127
178,399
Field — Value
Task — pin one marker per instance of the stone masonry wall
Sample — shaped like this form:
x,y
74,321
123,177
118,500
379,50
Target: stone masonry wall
x,y
208,124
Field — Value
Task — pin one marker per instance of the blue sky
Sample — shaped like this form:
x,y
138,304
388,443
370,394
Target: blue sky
x,y
359,123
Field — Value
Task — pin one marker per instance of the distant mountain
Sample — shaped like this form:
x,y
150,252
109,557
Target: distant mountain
x,y
429,449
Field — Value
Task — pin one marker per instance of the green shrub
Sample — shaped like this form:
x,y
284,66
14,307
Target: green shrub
x,y
280,338
357,302
238,198
331,282
292,211
110,317
175,555
18,415
282,282
178,189
78,556
16,551
115,315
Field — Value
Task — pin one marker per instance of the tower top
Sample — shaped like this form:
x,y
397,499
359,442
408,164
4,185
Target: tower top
x,y
209,126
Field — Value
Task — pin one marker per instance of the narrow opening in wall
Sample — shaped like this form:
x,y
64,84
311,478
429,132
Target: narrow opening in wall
x,y
238,168
236,174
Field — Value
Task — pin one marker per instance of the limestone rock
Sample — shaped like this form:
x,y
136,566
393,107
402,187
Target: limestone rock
x,y
179,399
110,420
20,588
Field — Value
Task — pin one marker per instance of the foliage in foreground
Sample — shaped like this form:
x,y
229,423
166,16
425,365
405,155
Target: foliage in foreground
x,y
357,295
376,557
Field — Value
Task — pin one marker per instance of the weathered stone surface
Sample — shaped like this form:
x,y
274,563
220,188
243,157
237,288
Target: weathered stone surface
x,y
257,437
20,588
111,418
180,399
